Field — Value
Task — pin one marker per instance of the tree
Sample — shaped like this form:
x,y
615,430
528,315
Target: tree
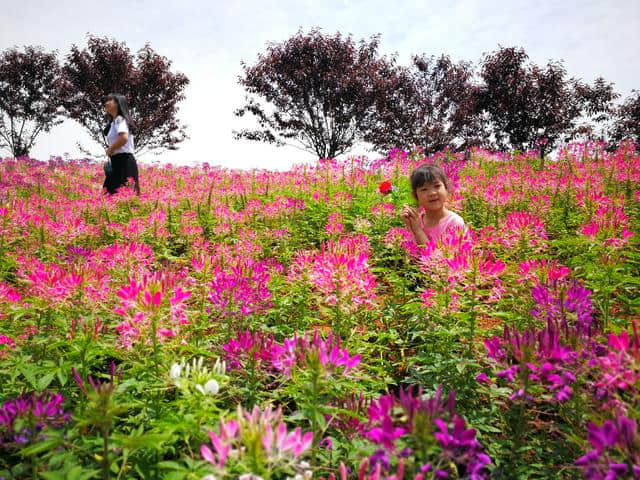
x,y
29,97
151,88
528,106
432,106
627,119
315,90
598,109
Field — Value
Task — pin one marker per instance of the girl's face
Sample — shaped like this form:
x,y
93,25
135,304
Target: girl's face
x,y
111,107
432,196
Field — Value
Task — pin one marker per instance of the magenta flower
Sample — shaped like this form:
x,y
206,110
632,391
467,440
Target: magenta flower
x,y
617,368
300,351
276,446
257,347
523,228
339,273
240,288
161,295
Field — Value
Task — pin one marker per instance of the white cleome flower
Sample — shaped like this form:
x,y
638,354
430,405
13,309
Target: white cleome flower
x,y
220,367
175,371
212,387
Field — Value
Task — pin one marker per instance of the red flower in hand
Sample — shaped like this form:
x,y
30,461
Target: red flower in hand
x,y
385,187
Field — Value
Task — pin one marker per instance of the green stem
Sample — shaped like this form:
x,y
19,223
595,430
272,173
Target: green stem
x,y
106,467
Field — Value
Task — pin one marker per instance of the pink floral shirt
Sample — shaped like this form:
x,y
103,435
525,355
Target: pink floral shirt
x,y
452,221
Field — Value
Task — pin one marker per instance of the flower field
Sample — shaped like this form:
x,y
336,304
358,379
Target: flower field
x,y
284,325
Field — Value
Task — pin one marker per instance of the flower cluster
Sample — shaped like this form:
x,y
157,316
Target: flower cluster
x,y
334,224
24,419
567,303
239,288
459,266
523,229
398,237
423,432
610,224
617,370
257,443
294,352
534,359
257,347
541,272
615,452
339,273
156,300
197,377
300,352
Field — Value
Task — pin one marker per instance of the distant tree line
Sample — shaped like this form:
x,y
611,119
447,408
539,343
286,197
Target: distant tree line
x,y
37,92
323,94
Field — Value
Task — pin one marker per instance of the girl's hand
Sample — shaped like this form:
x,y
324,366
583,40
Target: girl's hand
x,y
411,218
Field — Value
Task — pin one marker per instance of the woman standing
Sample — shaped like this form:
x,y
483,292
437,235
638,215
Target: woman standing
x,y
120,141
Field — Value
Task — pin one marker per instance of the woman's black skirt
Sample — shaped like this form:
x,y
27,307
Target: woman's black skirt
x,y
123,167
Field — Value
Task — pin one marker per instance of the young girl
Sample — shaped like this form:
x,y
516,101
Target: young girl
x,y
120,141
430,188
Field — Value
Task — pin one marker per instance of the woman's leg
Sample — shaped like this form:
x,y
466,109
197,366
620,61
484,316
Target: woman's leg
x,y
109,184
132,172
119,173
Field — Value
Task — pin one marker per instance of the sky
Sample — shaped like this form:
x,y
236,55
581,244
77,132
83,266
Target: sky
x,y
207,40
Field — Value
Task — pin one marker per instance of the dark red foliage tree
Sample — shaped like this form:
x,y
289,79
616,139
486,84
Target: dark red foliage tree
x,y
528,106
29,97
146,80
627,119
315,91
432,106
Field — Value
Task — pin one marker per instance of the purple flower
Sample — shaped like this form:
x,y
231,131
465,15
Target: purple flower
x,y
408,417
32,415
381,457
601,437
327,443
615,452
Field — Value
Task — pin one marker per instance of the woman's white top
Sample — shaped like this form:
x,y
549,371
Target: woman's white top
x,y
118,126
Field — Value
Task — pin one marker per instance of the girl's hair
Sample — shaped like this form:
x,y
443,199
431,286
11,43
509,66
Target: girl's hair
x,y
123,110
426,174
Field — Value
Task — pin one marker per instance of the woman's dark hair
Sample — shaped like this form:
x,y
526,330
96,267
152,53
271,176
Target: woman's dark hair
x,y
123,110
426,174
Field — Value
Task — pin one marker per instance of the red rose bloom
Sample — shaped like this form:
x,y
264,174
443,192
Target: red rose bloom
x,y
385,187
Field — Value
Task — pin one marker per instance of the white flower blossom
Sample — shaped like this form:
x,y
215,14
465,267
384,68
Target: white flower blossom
x,y
175,371
212,387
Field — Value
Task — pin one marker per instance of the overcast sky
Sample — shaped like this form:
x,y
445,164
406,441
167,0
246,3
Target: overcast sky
x,y
206,40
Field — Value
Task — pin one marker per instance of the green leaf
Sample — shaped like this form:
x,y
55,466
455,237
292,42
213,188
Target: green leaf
x,y
45,381
170,465
40,447
62,377
53,475
30,375
149,440
176,475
